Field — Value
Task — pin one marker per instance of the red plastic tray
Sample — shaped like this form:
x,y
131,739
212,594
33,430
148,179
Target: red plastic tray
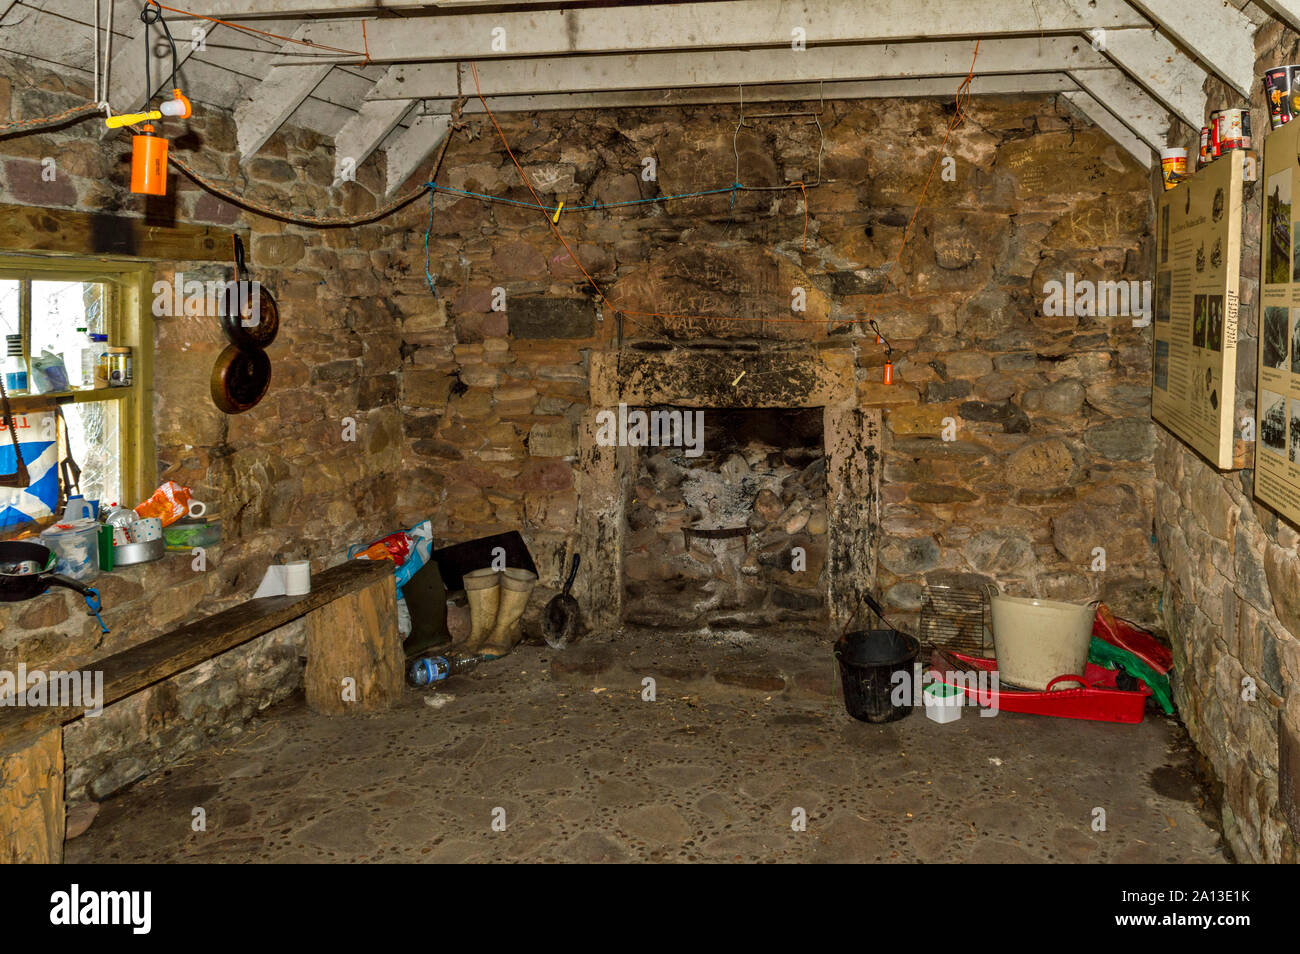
x,y
1099,702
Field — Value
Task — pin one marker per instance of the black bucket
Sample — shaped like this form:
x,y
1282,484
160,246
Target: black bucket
x,y
869,661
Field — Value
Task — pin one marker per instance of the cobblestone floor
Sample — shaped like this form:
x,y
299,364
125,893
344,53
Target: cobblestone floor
x,y
580,768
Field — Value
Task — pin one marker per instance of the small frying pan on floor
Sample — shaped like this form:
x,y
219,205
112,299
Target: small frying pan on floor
x,y
563,618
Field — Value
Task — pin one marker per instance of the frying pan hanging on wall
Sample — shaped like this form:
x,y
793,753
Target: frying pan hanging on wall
x,y
240,379
249,315
250,319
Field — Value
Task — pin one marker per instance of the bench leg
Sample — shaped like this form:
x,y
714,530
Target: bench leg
x,y
355,661
32,820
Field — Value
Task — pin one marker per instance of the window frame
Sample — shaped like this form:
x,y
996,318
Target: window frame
x,y
128,321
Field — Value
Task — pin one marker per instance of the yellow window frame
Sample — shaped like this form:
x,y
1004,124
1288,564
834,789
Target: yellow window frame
x,y
128,321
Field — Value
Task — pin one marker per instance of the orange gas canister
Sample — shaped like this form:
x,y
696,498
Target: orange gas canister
x,y
148,163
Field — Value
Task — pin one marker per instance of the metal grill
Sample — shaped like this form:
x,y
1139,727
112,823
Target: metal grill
x,y
954,618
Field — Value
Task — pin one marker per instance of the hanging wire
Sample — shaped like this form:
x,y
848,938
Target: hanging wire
x,y
151,14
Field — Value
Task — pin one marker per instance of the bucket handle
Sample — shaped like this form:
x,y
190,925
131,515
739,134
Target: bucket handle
x,y
874,606
1068,678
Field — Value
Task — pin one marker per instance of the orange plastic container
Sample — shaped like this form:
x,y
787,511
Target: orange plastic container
x,y
148,163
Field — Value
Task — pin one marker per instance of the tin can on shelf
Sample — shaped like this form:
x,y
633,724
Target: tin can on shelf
x,y
121,368
1173,166
1234,129
1214,136
1277,93
1205,145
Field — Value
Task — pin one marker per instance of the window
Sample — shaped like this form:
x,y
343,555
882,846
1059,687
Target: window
x,y
75,436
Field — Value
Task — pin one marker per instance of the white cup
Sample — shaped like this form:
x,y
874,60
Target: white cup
x,y
197,508
297,578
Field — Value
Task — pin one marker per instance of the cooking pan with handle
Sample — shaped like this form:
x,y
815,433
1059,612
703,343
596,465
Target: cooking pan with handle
x,y
27,571
563,617
249,314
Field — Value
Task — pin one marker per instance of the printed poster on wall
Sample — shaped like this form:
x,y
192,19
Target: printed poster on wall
x,y
1277,414
1198,264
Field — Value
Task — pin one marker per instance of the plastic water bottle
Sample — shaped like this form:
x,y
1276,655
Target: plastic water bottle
x,y
427,670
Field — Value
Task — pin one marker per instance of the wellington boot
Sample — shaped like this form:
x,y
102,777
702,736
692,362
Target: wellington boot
x,y
516,588
483,590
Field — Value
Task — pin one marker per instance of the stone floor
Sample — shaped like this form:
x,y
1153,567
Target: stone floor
x,y
565,751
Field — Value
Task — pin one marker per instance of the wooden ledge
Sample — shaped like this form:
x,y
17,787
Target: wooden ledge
x,y
151,662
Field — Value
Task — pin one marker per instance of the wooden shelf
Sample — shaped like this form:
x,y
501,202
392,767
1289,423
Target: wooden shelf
x,y
26,403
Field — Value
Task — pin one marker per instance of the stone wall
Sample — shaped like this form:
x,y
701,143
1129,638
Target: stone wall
x,y
280,476
1232,588
1052,438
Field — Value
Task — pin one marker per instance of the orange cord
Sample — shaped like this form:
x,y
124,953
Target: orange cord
x,y
273,36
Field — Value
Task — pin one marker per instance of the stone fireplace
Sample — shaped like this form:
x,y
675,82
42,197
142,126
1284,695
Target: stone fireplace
x,y
708,542
730,534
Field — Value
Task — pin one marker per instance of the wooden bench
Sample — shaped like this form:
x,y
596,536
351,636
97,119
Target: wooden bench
x,y
355,663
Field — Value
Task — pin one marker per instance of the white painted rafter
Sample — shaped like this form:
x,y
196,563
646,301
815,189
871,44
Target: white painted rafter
x,y
1288,11
940,86
412,145
275,98
1106,121
1162,69
732,67
363,133
1128,101
710,25
1217,33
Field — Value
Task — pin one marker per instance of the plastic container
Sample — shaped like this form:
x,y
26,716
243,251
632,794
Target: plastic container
x,y
869,660
1038,640
188,533
1098,701
76,545
943,703
77,508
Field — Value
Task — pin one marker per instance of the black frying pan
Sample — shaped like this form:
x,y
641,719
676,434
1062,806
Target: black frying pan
x,y
249,314
27,570
563,618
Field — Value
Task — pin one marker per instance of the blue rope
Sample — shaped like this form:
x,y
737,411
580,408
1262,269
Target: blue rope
x,y
94,604
592,206
428,277
434,189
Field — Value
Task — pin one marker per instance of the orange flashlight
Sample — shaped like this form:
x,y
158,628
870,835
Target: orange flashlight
x,y
148,163
889,372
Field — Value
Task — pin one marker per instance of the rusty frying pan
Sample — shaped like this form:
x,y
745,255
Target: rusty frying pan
x,y
240,379
563,618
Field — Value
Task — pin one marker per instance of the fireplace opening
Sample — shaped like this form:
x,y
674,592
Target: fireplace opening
x,y
730,534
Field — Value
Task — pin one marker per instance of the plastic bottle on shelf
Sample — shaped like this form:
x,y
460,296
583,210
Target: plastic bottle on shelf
x,y
15,365
94,362
79,369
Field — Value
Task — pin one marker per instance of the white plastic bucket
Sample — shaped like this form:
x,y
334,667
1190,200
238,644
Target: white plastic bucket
x,y
1038,640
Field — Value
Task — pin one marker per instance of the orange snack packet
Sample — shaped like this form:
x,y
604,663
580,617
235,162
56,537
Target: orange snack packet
x,y
169,503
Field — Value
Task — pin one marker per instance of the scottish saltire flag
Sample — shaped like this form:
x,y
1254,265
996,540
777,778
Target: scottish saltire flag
x,y
36,438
